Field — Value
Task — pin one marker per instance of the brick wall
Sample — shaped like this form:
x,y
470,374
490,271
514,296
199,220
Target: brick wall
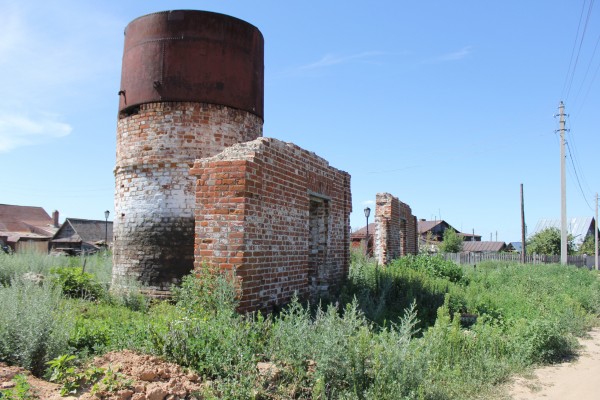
x,y
395,229
277,215
154,194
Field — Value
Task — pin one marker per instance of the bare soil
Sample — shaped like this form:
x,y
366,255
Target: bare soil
x,y
574,380
140,377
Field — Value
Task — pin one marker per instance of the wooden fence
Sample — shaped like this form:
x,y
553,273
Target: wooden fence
x,y
475,258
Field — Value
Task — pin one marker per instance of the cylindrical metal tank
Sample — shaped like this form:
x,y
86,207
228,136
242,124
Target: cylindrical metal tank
x,y
192,56
191,85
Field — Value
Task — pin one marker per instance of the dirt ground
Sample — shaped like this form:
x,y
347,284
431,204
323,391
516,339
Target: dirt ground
x,y
575,380
142,377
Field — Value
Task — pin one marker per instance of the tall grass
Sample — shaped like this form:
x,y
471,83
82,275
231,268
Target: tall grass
x,y
35,324
395,332
15,265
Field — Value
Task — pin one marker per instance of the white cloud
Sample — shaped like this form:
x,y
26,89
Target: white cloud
x,y
329,60
454,56
368,202
50,57
20,130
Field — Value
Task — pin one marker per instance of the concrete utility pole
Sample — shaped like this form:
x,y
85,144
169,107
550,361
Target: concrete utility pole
x,y
563,187
523,246
596,236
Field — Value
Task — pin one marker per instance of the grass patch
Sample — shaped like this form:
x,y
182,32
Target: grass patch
x,y
394,332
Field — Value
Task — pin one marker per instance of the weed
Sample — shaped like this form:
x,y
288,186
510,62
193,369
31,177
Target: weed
x,y
21,391
75,283
35,324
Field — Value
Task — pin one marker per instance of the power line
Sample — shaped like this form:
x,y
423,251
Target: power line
x,y
580,45
577,158
587,70
573,52
577,177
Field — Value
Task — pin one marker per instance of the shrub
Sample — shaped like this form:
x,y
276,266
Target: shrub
x,y
339,356
18,264
204,332
548,241
208,290
452,242
75,283
433,265
35,324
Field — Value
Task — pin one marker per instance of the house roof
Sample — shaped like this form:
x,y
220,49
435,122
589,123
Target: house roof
x,y
362,232
84,230
25,219
468,235
578,227
477,247
425,226
518,246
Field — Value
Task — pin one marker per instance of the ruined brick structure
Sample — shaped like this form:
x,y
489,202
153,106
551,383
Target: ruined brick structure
x,y
275,214
278,216
191,85
395,229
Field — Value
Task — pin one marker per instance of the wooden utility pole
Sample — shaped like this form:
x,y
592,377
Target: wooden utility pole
x,y
523,246
563,187
596,236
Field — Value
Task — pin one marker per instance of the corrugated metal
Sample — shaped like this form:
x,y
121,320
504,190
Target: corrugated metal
x,y
578,227
483,247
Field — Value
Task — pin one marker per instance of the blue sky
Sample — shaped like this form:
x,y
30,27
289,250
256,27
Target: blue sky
x,y
447,105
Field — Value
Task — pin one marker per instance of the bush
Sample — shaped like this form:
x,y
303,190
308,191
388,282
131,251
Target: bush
x,y
452,242
18,264
433,265
77,284
548,241
35,324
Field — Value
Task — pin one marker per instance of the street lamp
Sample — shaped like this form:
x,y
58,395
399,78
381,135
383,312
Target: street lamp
x,y
367,213
106,214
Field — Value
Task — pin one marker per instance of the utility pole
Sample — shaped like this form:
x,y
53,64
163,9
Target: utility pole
x,y
596,236
563,187
523,246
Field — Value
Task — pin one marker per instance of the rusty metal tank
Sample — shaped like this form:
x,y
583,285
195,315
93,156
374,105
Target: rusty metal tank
x,y
197,56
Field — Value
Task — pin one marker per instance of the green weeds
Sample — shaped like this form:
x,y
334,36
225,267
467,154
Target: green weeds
x,y
419,328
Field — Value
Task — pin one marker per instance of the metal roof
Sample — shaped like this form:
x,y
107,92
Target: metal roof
x,y
483,247
85,230
362,232
578,227
25,219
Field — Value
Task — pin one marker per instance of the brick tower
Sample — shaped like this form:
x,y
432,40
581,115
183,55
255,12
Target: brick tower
x,y
191,85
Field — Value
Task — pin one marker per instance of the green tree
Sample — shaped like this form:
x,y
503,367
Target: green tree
x,y
588,246
452,243
547,242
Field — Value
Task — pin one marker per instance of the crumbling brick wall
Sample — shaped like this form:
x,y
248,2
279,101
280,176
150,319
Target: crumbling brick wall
x,y
395,229
154,195
275,214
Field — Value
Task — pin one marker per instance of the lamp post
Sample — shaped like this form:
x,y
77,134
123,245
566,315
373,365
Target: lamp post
x,y
106,214
367,213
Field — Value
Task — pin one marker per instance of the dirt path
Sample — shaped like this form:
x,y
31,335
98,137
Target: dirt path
x,y
577,380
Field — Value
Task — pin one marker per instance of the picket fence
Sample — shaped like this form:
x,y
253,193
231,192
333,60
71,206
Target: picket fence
x,y
475,258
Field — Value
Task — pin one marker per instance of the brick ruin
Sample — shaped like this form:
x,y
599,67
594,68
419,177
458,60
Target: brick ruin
x,y
278,216
154,200
396,231
192,96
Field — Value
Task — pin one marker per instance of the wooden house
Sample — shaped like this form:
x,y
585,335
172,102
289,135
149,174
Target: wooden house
x,y
82,235
26,228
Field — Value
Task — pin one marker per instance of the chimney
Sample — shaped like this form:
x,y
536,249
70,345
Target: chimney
x,y
55,218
